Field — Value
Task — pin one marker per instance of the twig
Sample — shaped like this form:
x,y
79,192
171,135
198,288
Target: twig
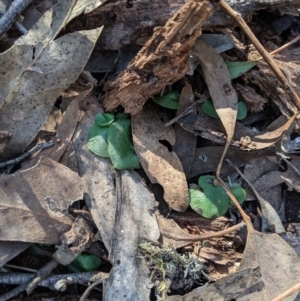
x,y
32,283
283,47
187,111
17,24
26,155
270,219
284,158
203,236
11,15
53,282
266,55
89,290
245,217
295,288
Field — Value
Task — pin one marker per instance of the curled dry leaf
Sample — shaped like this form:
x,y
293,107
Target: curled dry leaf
x,y
244,137
220,89
26,97
161,165
34,202
278,262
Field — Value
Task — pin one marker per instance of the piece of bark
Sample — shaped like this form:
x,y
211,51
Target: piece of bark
x,y
127,21
162,61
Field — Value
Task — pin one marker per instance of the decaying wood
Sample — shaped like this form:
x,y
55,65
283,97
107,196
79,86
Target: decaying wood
x,y
124,21
162,61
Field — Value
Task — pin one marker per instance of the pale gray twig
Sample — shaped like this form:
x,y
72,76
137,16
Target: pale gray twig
x,y
26,155
32,282
12,14
53,282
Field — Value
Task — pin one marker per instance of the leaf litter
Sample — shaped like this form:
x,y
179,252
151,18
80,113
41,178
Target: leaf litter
x,y
117,212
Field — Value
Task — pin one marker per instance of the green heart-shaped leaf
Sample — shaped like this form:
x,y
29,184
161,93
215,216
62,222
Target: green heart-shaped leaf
x,y
200,203
208,108
169,100
97,141
121,116
239,193
120,148
104,120
237,69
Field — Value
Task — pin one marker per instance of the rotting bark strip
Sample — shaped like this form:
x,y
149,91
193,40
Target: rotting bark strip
x,y
161,62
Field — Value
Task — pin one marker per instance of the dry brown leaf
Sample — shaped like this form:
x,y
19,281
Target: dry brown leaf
x,y
27,97
278,262
185,144
206,160
225,289
34,202
74,242
218,81
161,165
134,223
52,121
65,132
10,249
97,174
243,138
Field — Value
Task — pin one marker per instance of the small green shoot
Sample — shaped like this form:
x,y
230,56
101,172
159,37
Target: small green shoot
x,y
212,201
104,120
85,263
111,137
169,100
208,108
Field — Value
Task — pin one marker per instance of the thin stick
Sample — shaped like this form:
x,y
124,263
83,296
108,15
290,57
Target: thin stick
x,y
203,236
283,47
11,15
266,55
89,290
245,217
26,155
295,288
187,111
32,283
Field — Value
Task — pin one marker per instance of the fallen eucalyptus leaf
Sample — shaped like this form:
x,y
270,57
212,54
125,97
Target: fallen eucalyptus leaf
x,y
161,165
221,91
31,104
97,175
38,197
278,262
